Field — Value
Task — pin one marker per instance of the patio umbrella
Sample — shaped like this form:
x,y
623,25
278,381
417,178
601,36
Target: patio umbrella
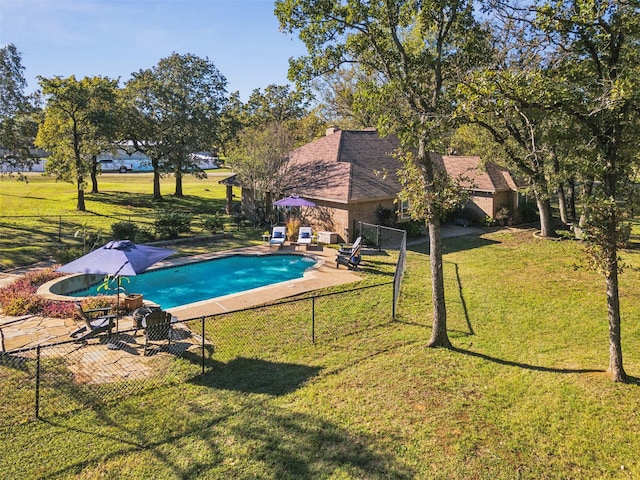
x,y
117,258
294,201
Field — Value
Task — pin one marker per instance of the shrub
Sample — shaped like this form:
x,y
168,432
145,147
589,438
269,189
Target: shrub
x,y
124,231
413,229
385,216
20,298
145,235
67,254
17,300
171,224
213,223
58,309
527,212
503,216
293,225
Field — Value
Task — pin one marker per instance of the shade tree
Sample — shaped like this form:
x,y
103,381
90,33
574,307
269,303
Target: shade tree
x,y
173,110
412,54
78,123
18,113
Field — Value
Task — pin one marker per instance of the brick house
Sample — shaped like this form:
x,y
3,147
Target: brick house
x,y
351,174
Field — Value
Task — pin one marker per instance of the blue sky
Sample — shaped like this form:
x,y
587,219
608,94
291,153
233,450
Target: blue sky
x,y
117,37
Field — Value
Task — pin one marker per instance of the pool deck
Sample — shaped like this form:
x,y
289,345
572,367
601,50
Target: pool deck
x,y
30,330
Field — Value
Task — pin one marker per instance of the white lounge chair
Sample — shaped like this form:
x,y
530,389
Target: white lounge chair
x,y
278,236
304,236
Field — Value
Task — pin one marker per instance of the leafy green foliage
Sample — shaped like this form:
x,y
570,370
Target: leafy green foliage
x,y
124,231
18,113
173,110
172,223
79,123
213,223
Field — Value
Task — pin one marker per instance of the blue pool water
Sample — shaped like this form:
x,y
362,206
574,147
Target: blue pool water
x,y
183,284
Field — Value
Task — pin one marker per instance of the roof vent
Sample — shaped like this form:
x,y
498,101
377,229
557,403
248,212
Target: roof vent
x,y
331,131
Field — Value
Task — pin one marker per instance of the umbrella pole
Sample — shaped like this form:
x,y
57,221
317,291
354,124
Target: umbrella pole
x,y
118,306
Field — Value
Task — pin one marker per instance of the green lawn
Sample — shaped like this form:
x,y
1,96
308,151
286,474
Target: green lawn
x,y
524,393
38,219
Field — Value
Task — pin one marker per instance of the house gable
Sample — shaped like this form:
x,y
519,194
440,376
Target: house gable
x,y
347,167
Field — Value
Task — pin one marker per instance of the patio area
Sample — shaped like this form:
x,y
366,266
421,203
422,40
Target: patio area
x,y
32,330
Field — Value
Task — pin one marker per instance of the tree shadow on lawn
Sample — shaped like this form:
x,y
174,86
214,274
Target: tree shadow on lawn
x,y
526,366
252,375
259,437
272,440
195,204
454,244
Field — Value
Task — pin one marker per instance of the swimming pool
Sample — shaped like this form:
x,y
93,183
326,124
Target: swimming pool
x,y
194,282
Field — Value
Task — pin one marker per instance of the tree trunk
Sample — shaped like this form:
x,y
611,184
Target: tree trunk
x,y
80,204
586,192
94,175
615,335
546,218
439,336
562,203
229,199
156,181
610,183
178,192
571,198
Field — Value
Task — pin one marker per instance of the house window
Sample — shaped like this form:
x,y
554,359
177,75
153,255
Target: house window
x,y
403,210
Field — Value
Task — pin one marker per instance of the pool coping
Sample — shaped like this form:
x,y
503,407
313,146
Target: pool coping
x,y
318,276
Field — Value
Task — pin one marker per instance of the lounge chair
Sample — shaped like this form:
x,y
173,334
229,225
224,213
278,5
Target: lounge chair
x,y
347,249
96,321
157,328
304,236
278,236
351,259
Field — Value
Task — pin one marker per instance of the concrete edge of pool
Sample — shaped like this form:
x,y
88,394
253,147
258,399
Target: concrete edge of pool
x,y
323,274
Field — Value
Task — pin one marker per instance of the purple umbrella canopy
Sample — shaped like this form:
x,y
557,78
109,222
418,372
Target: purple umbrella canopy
x,y
120,257
294,201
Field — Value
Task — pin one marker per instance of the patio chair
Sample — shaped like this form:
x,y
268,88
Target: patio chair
x,y
96,321
157,328
304,236
352,259
347,249
278,236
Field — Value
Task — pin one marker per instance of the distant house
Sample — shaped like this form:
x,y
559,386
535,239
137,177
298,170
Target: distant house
x,y
352,174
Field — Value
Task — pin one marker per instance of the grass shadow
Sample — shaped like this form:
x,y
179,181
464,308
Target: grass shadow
x,y
251,375
526,366
455,244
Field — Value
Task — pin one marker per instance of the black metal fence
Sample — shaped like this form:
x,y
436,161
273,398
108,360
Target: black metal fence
x,y
52,235
62,378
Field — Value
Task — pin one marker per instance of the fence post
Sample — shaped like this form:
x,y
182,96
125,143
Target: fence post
x,y
393,301
38,382
202,336
378,237
313,320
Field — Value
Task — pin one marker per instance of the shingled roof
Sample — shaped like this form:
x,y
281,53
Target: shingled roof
x,y
346,166
485,177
